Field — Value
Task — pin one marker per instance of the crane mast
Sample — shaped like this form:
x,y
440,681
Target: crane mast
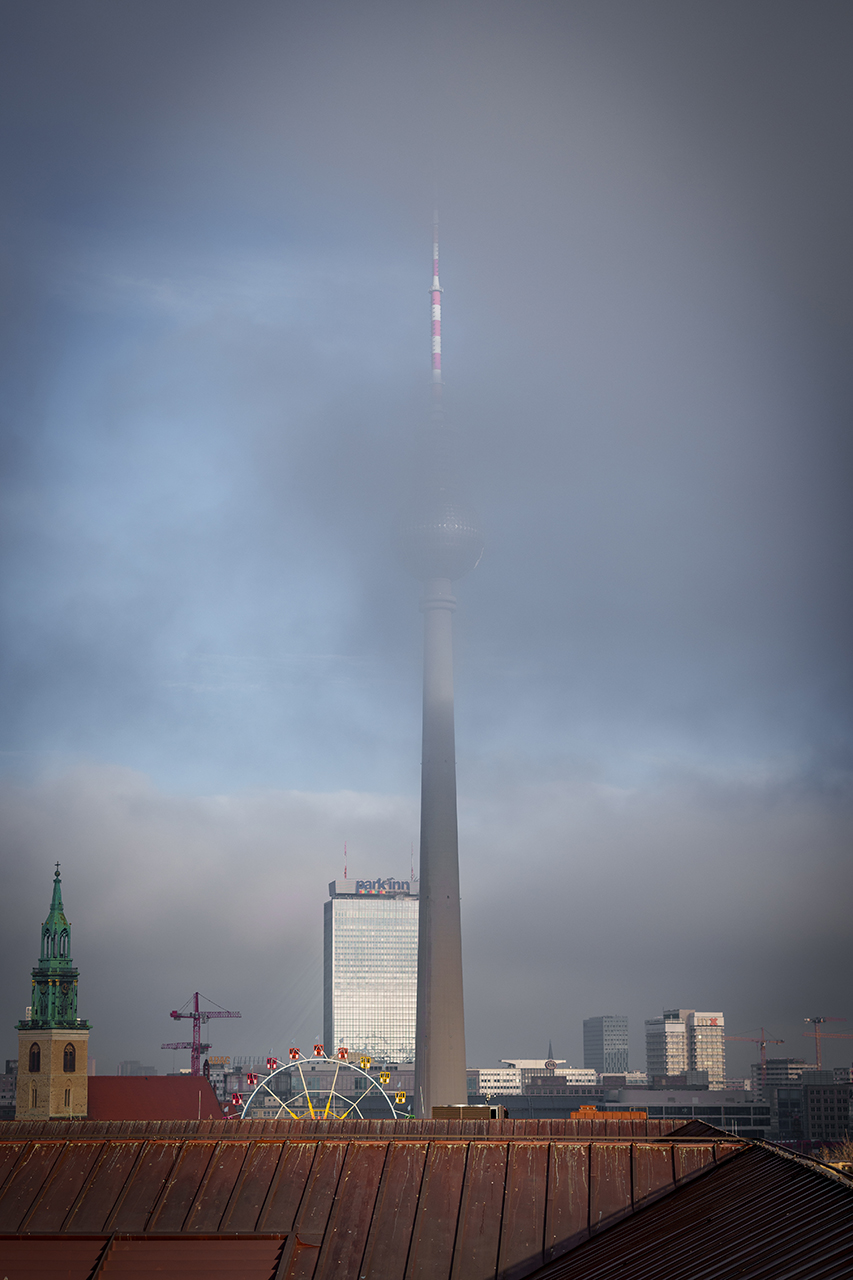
x,y
199,1018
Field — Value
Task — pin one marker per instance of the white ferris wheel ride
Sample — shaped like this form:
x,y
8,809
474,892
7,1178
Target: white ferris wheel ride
x,y
300,1087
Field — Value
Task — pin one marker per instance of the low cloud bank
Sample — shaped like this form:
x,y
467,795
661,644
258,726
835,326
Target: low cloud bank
x,y
579,898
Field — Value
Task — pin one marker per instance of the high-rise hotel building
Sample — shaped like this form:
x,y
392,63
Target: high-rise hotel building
x,y
370,969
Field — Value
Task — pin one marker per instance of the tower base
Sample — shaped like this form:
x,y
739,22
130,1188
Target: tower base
x,y
51,1092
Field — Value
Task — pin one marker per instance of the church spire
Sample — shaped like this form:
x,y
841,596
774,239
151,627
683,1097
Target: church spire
x,y
56,931
54,993
52,1041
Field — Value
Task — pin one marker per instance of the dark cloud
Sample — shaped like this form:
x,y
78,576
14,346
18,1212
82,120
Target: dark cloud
x,y
216,223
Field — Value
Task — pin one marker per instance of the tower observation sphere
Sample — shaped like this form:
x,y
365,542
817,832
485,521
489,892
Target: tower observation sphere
x,y
440,539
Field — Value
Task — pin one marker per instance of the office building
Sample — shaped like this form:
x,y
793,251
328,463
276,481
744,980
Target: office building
x,y
776,1071
493,1080
734,1110
827,1107
370,969
666,1046
687,1040
605,1043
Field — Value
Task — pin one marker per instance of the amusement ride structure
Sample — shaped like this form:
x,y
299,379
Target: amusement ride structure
x,y
320,1088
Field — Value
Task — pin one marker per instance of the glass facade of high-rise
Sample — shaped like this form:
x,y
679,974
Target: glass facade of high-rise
x,y
370,969
605,1043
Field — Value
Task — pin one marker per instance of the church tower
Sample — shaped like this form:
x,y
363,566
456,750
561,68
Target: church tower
x,y
53,1043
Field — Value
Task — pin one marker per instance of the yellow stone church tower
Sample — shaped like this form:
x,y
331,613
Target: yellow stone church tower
x,y
53,1043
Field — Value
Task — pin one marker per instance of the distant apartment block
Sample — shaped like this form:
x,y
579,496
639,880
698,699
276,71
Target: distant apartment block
x,y
605,1043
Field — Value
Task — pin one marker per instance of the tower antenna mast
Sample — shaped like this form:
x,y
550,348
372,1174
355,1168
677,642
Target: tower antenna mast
x,y
435,294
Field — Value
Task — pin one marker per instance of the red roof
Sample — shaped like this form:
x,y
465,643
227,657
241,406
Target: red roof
x,y
152,1098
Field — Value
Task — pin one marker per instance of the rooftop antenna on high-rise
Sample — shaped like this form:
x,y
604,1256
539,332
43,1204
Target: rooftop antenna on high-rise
x,y
346,877
441,541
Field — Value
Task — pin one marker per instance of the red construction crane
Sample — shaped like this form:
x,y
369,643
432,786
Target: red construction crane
x,y
825,1035
198,1016
763,1042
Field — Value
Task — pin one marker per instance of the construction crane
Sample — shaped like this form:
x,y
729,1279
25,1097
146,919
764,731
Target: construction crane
x,y
198,1016
763,1042
824,1035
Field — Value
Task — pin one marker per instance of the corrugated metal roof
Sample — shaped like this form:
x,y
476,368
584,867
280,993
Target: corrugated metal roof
x,y
152,1098
760,1217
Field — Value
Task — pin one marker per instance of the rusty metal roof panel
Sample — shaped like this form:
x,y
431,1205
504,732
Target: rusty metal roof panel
x,y
288,1187
102,1189
218,1184
524,1207
390,1233
143,1188
431,1250
479,1229
52,1259
252,1186
609,1184
186,1257
9,1154
61,1189
653,1172
316,1204
760,1216
25,1184
567,1207
173,1206
352,1210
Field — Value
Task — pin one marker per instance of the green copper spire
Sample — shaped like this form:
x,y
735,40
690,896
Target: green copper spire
x,y
54,998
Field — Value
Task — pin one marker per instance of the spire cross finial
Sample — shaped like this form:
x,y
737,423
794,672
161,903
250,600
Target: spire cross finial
x,y
56,873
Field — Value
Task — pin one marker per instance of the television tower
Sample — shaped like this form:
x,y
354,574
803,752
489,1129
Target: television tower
x,y
441,541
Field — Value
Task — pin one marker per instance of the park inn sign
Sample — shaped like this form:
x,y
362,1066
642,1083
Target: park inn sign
x,y
371,888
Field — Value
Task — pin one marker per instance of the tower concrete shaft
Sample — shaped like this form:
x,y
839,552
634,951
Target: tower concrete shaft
x,y
440,1067
440,540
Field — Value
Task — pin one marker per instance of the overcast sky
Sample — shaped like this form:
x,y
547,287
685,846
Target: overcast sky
x,y
216,226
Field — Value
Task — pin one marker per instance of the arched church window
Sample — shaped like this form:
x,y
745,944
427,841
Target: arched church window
x,y
63,945
69,1058
45,950
35,1058
34,1096
68,1098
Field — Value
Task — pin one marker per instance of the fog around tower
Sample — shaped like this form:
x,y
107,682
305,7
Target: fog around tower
x,y
217,229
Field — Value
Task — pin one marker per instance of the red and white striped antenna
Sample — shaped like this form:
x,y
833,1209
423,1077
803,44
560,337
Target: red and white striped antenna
x,y
345,860
435,293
